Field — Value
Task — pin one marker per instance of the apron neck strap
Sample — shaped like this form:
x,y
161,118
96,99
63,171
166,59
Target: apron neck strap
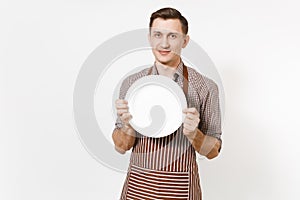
x,y
185,81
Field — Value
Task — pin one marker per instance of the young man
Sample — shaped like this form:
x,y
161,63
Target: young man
x,y
166,168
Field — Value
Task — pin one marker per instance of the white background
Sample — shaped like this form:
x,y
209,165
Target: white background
x,y
255,45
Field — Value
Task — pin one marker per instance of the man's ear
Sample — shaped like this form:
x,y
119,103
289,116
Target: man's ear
x,y
186,41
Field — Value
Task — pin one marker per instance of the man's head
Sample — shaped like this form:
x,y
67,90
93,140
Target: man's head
x,y
168,35
170,13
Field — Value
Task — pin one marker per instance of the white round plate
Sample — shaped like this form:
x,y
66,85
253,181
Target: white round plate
x,y
155,103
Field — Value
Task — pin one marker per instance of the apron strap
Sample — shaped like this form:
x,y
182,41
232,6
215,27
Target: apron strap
x,y
150,71
185,82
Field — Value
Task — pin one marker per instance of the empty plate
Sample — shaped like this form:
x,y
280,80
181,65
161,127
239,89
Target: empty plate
x,y
155,103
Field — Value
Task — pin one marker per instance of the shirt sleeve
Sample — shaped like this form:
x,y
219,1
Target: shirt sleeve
x,y
210,115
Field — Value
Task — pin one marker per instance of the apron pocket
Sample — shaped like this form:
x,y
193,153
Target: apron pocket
x,y
153,184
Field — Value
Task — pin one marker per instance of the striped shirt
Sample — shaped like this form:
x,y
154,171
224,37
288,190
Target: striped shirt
x,y
171,158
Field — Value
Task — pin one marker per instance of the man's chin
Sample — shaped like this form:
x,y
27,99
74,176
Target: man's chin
x,y
164,62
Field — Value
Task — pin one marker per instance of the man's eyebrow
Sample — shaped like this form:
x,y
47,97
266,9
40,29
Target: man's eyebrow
x,y
169,33
156,31
175,33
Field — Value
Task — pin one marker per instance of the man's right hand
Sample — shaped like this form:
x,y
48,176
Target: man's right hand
x,y
123,138
122,111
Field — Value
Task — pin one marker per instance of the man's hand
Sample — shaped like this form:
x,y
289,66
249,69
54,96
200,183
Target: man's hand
x,y
205,145
191,121
123,138
122,111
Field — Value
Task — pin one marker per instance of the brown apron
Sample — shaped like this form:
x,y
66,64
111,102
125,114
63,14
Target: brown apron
x,y
163,168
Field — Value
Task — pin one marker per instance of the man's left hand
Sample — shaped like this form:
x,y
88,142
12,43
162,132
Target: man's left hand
x,y
191,121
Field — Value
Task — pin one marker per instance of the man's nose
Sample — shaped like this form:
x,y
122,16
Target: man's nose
x,y
165,43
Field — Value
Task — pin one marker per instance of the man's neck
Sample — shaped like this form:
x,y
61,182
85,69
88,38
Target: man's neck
x,y
166,70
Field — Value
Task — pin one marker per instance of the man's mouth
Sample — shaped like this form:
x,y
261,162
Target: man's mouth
x,y
164,52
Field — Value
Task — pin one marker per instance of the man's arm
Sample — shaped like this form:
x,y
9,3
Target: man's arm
x,y
124,138
205,145
123,135
204,130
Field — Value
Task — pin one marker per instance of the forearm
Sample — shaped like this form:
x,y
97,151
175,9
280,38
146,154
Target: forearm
x,y
205,145
124,139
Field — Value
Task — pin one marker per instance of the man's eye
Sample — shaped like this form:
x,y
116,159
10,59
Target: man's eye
x,y
173,36
157,35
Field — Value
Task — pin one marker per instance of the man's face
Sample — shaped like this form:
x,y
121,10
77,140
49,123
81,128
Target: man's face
x,y
167,40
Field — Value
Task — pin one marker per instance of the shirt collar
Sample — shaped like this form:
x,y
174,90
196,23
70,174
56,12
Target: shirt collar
x,y
178,72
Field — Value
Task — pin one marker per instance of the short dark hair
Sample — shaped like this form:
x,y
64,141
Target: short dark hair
x,y
170,13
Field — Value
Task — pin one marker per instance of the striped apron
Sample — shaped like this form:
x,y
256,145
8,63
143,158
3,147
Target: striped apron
x,y
163,168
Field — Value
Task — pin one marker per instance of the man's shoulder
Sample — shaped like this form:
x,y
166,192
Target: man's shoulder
x,y
200,81
130,79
